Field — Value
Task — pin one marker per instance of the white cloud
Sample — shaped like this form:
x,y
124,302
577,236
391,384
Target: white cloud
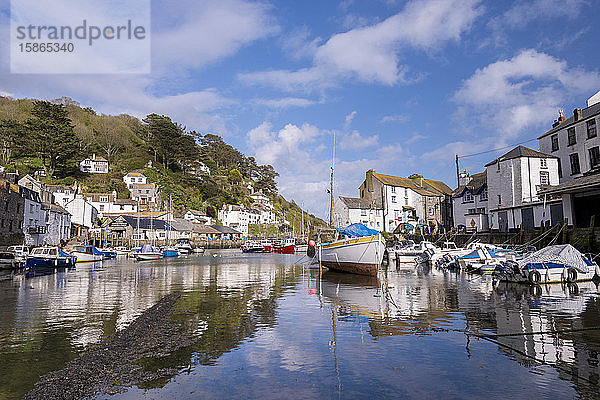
x,y
523,92
355,141
395,118
348,119
285,102
371,53
415,138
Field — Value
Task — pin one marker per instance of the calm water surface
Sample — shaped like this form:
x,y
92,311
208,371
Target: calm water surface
x,y
269,327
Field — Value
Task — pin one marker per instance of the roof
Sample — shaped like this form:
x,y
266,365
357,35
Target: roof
x,y
585,114
196,213
424,187
101,159
182,225
353,202
54,208
574,185
475,185
206,229
142,186
225,229
520,151
136,174
145,223
58,188
96,196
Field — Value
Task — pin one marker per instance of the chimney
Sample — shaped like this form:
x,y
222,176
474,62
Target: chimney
x,y
464,178
576,114
94,156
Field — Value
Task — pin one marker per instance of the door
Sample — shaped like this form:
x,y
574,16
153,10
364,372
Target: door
x,y
527,218
556,214
502,221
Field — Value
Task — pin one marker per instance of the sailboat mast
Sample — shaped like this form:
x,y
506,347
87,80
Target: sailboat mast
x,y
331,183
137,244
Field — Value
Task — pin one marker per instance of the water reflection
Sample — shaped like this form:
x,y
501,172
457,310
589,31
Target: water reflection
x,y
263,326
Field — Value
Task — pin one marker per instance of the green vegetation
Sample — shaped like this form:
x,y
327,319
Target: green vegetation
x,y
54,136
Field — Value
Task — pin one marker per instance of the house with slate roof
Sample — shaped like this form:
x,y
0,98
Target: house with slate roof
x,y
470,202
514,181
94,165
413,200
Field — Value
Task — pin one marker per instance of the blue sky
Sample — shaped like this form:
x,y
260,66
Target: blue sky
x,y
403,84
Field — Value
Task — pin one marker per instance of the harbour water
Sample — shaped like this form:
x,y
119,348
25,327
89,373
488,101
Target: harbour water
x,y
267,326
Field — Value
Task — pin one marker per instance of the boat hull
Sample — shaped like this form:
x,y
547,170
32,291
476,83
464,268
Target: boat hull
x,y
45,262
148,256
85,257
361,255
171,253
289,249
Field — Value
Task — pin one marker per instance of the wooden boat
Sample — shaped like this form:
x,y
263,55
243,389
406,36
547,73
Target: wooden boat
x,y
87,253
50,257
354,252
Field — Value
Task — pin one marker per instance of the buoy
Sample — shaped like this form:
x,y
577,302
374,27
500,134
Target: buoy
x,y
534,277
571,275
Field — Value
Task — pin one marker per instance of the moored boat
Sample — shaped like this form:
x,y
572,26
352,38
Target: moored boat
x,y
552,264
50,257
170,252
87,253
267,246
108,253
198,250
148,252
121,251
359,250
285,246
252,247
183,246
20,252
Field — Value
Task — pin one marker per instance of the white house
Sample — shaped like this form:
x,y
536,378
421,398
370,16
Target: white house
x,y
350,210
82,211
575,141
61,194
94,165
238,217
411,200
145,194
470,202
108,203
132,178
513,182
58,224
260,199
34,219
198,217
39,187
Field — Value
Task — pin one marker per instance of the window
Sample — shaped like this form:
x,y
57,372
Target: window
x,y
591,128
405,192
406,201
393,199
101,207
378,212
559,169
481,210
393,189
554,142
104,199
139,179
396,214
31,208
472,211
574,164
544,178
468,197
484,195
572,139
499,199
363,212
498,166
594,156
543,163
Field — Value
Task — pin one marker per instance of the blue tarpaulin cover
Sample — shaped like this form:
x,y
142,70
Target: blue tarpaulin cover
x,y
147,248
62,253
357,230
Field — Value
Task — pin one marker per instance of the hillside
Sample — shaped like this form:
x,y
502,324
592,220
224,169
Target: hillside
x,y
54,136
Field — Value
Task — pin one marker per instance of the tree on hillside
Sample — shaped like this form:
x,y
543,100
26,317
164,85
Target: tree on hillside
x,y
165,138
235,176
265,180
111,135
222,154
50,135
10,137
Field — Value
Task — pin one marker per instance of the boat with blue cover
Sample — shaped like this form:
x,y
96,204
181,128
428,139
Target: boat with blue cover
x,y
50,257
170,252
357,249
148,252
87,253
